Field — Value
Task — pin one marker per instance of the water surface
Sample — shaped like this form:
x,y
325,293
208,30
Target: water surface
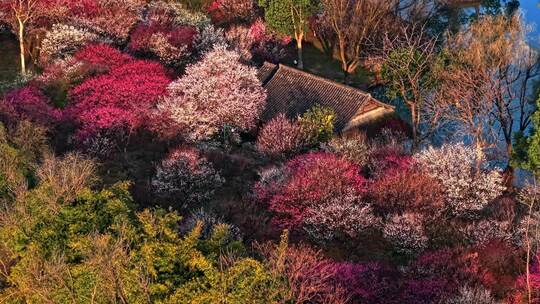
x,y
531,12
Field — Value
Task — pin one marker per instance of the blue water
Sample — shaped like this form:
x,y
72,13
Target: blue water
x,y
531,11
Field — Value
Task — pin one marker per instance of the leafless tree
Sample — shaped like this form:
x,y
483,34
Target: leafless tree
x,y
465,100
409,58
491,75
323,31
356,23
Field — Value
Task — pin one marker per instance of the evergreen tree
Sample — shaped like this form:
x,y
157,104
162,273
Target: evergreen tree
x,y
527,148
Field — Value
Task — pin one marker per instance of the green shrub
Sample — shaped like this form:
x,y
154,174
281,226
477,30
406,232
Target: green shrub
x,y
318,124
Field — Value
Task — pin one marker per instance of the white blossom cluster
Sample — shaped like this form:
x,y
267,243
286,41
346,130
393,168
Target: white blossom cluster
x,y
214,92
99,145
64,40
186,177
273,174
481,232
66,70
406,233
472,295
345,215
176,14
468,189
208,37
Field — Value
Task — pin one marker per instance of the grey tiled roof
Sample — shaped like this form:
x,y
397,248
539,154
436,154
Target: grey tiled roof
x,y
293,92
265,72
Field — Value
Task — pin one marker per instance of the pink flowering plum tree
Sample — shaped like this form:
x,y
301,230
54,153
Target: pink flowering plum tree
x,y
226,12
319,193
112,18
435,276
280,136
121,99
218,91
171,45
374,283
387,158
255,42
186,177
241,39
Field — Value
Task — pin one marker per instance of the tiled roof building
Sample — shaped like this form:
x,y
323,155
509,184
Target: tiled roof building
x,y
293,92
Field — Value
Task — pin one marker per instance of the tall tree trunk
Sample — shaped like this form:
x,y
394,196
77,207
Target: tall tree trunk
x,y
343,58
22,48
509,170
300,63
479,154
414,123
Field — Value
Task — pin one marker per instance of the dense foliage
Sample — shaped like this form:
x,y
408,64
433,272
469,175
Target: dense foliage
x,y
527,151
138,162
119,99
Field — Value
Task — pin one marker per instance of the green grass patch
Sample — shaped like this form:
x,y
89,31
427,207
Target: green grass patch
x,y
318,63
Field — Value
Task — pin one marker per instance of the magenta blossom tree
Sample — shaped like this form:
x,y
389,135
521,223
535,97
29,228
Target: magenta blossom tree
x,y
28,103
121,99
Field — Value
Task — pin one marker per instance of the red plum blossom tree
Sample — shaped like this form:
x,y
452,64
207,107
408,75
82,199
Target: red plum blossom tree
x,y
119,99
112,18
28,103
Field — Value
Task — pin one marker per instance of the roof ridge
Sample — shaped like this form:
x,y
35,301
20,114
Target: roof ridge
x,y
324,79
332,82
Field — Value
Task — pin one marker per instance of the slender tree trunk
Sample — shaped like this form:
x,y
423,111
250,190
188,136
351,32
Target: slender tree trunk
x,y
414,125
343,58
299,39
509,170
22,48
479,154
